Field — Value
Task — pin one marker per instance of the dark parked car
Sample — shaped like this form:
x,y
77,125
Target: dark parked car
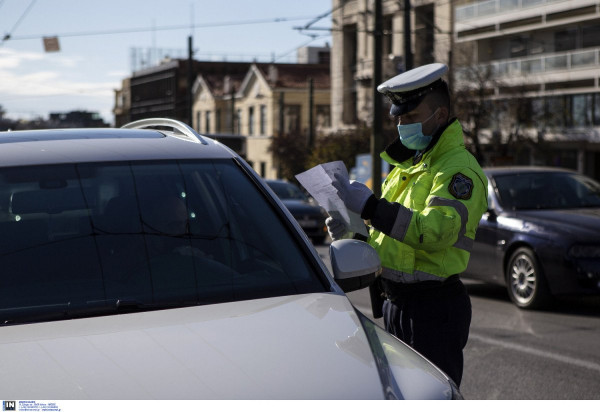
x,y
309,216
541,235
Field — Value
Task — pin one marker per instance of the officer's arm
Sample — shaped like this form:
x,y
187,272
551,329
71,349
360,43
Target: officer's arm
x,y
441,224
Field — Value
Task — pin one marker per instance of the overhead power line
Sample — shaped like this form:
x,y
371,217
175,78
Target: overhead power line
x,y
8,35
162,28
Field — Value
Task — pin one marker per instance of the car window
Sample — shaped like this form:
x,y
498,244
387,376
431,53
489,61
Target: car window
x,y
86,238
547,190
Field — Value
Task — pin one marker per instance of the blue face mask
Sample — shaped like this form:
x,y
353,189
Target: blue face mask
x,y
411,135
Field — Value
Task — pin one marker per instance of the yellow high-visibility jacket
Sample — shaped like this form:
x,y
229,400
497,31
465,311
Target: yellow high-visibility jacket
x,y
443,197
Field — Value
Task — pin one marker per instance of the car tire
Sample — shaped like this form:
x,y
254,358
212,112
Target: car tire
x,y
525,281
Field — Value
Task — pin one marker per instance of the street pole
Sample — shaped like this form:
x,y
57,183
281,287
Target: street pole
x,y
376,138
311,135
408,55
190,80
281,105
232,110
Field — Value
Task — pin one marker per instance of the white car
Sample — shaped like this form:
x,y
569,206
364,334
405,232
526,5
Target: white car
x,y
149,262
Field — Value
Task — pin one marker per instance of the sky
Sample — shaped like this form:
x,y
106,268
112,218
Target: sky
x,y
99,39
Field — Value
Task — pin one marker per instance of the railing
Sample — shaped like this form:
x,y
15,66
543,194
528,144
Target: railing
x,y
546,63
491,7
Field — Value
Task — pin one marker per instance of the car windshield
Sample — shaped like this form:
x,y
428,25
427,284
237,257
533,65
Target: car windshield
x,y
287,191
84,239
547,190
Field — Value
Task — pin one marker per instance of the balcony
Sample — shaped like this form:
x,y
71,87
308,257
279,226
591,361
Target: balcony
x,y
493,18
489,8
568,66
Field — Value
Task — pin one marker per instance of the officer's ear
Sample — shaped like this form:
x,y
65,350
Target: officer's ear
x,y
442,115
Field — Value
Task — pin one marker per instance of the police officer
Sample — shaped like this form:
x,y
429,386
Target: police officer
x,y
424,224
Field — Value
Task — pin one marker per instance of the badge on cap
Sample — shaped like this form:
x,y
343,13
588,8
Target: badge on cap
x,y
461,186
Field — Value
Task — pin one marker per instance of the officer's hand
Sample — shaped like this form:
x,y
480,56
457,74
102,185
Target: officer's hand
x,y
354,194
337,229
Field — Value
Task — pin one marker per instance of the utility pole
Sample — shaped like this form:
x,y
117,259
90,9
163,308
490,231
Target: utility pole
x,y
450,56
190,80
281,105
232,110
376,138
311,134
408,55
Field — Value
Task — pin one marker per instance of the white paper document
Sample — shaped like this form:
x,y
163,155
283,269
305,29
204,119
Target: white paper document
x,y
317,181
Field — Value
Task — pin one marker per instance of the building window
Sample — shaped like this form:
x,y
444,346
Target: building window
x,y
198,119
518,47
556,110
218,125
238,121
263,169
565,40
323,116
590,36
387,45
263,119
596,111
291,118
424,35
207,122
251,121
582,110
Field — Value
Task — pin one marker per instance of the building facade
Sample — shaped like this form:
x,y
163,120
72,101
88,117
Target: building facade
x,y
241,104
353,50
271,99
543,57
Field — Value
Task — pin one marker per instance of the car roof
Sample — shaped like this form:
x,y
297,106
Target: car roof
x,y
59,146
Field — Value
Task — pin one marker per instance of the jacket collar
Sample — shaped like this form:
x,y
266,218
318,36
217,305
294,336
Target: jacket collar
x,y
449,137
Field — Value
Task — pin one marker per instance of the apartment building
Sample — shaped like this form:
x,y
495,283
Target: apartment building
x,y
544,57
353,50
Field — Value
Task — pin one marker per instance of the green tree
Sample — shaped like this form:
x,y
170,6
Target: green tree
x,y
290,152
293,156
344,146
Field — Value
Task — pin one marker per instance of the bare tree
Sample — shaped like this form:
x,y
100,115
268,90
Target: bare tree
x,y
474,84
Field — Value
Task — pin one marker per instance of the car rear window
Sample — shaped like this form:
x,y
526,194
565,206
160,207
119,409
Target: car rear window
x,y
84,239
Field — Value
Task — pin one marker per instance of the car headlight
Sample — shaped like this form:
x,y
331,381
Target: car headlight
x,y
585,251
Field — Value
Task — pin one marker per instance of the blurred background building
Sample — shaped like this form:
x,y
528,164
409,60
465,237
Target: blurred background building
x,y
524,75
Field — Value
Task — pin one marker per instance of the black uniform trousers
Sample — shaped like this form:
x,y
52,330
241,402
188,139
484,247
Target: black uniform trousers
x,y
433,318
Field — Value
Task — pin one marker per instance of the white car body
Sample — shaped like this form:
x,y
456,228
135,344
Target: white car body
x,y
258,349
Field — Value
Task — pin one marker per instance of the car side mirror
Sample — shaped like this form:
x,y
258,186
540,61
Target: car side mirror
x,y
354,263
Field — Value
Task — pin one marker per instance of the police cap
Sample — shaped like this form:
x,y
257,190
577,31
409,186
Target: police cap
x,y
407,90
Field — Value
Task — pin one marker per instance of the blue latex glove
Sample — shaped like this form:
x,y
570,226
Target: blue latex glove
x,y
354,194
337,229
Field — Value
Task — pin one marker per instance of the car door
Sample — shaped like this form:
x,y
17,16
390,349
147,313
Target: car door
x,y
484,261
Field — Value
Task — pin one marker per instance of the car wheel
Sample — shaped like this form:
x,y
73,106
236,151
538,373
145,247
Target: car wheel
x,y
525,282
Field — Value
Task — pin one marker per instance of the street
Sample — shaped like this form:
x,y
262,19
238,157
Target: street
x,y
520,355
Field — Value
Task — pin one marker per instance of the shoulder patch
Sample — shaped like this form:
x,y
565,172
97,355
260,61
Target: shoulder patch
x,y
461,186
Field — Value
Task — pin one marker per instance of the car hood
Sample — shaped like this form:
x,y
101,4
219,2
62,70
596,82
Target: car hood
x,y
296,347
299,206
581,223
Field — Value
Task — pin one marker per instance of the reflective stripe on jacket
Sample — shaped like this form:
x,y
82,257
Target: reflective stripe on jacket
x,y
431,237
